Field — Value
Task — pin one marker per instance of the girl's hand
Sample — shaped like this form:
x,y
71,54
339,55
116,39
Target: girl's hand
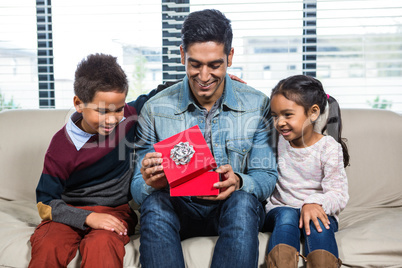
x,y
106,222
313,212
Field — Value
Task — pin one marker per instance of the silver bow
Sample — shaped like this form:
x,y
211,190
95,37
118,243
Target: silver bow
x,y
182,153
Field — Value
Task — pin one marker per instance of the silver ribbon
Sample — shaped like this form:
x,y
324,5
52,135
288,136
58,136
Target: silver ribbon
x,y
182,153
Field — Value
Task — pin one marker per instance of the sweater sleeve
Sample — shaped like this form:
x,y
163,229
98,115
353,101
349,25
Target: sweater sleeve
x,y
48,195
261,176
334,196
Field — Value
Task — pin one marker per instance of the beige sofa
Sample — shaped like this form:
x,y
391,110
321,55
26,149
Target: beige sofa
x,y
370,232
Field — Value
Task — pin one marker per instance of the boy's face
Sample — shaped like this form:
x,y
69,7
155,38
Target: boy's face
x,y
206,65
102,114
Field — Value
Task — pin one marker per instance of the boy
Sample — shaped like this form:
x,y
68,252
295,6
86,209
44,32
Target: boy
x,y
84,189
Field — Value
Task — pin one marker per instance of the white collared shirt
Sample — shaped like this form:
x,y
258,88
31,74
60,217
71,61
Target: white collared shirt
x,y
77,135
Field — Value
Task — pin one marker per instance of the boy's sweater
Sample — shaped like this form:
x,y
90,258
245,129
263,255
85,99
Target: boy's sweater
x,y
98,174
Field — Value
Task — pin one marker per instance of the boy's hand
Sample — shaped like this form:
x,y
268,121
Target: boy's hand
x,y
313,212
106,222
152,171
230,183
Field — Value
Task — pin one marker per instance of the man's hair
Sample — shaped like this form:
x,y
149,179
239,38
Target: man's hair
x,y
207,25
99,72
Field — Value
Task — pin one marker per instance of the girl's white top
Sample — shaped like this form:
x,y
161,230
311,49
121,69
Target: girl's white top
x,y
314,174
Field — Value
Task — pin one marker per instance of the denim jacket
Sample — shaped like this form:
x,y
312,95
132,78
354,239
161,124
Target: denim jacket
x,y
241,133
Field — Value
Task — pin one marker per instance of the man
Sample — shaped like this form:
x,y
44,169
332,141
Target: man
x,y
234,119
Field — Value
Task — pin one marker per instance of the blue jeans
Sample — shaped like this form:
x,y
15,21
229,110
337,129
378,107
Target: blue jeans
x,y
283,222
165,221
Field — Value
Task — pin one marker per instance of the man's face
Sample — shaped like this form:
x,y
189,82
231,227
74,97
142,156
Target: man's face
x,y
206,64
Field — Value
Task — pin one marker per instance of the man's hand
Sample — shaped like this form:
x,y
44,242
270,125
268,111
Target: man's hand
x,y
106,222
313,212
230,183
152,170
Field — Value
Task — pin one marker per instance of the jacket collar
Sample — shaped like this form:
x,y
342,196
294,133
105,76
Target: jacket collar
x,y
230,97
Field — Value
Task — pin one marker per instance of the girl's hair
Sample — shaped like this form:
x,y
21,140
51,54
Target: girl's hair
x,y
307,91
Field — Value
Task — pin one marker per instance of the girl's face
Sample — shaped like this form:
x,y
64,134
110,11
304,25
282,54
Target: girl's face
x,y
291,121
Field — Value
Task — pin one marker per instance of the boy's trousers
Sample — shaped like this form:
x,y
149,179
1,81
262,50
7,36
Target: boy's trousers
x,y
55,244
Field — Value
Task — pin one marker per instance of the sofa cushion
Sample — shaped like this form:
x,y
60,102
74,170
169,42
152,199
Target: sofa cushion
x,y
375,170
369,233
18,221
370,237
25,136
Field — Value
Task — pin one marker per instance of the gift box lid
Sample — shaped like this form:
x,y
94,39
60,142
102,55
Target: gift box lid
x,y
186,155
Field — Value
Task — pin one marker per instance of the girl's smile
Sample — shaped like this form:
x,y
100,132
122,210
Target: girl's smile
x,y
292,122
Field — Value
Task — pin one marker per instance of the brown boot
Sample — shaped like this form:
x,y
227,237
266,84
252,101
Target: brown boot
x,y
282,256
322,259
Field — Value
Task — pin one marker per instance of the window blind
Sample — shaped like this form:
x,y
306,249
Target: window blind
x,y
18,55
354,47
45,54
360,52
128,30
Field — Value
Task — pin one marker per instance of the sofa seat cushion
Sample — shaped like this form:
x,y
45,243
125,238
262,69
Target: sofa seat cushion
x,y
370,237
198,251
373,239
18,220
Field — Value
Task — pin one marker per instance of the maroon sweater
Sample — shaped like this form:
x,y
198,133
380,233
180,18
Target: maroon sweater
x,y
99,174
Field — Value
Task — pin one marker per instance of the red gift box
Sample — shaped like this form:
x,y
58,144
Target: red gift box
x,y
191,153
198,186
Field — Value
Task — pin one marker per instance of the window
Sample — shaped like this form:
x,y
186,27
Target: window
x,y
267,72
129,30
360,42
18,55
353,46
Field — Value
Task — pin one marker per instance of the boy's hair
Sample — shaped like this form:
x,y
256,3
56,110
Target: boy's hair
x,y
99,72
207,25
307,91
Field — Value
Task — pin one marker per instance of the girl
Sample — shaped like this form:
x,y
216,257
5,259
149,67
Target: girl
x,y
312,187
